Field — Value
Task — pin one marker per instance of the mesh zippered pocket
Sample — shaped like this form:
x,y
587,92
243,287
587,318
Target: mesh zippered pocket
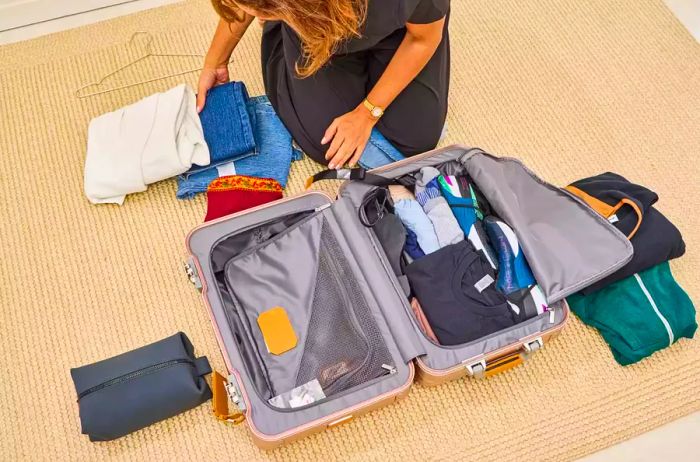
x,y
305,272
344,346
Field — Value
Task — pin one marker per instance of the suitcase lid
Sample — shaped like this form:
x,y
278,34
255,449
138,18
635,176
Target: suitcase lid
x,y
568,245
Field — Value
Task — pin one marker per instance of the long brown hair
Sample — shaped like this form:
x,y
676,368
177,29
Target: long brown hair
x,y
322,25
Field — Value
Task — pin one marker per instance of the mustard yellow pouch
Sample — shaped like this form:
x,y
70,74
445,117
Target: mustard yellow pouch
x,y
277,330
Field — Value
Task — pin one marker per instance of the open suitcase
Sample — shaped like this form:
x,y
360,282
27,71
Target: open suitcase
x,y
357,333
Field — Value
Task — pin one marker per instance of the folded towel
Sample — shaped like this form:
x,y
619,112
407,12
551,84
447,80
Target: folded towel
x,y
156,138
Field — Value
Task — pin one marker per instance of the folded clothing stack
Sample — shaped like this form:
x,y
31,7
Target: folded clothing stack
x,y
640,308
259,147
445,209
629,207
227,126
640,314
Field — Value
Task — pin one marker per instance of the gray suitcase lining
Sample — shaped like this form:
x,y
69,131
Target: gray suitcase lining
x,y
264,417
370,267
600,248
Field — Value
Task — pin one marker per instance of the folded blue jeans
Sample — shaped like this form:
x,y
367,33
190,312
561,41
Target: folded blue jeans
x,y
273,159
273,151
227,125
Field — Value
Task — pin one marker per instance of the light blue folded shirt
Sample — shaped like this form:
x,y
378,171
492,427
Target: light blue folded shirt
x,y
414,218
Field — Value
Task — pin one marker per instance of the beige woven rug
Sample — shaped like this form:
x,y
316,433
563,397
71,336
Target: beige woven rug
x,y
572,87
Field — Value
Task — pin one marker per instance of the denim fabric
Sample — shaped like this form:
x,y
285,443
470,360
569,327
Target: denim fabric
x,y
228,128
378,152
273,160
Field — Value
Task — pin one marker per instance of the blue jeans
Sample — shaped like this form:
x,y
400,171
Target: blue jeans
x,y
379,151
272,160
228,129
273,152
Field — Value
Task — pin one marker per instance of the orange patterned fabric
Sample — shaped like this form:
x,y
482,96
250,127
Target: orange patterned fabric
x,y
244,183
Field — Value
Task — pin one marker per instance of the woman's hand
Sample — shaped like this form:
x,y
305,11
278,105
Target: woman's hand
x,y
349,134
210,77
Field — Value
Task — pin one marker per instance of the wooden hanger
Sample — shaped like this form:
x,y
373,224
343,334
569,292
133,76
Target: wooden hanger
x,y
79,93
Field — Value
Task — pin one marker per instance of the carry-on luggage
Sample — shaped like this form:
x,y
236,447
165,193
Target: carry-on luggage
x,y
315,326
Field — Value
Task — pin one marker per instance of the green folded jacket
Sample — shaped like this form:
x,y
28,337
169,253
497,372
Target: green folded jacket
x,y
639,315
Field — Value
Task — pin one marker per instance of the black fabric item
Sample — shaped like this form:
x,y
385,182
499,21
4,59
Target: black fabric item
x,y
524,302
128,392
657,240
392,236
444,283
611,188
412,123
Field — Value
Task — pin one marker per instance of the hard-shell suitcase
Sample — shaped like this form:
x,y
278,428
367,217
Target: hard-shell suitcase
x,y
357,334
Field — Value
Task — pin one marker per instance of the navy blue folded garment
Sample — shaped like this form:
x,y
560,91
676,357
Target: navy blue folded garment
x,y
630,208
455,287
227,127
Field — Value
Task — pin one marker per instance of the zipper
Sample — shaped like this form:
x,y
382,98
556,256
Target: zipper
x,y
382,258
388,371
391,370
135,374
256,209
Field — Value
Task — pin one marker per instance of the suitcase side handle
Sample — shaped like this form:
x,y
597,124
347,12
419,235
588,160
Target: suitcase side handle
x,y
483,369
225,391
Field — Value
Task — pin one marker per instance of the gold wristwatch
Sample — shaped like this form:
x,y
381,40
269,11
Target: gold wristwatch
x,y
375,111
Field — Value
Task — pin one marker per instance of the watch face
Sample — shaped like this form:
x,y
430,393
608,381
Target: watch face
x,y
377,112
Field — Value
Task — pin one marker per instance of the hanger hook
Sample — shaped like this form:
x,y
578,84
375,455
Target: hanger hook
x,y
149,40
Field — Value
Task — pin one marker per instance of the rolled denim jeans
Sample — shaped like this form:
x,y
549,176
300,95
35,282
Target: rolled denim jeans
x,y
273,159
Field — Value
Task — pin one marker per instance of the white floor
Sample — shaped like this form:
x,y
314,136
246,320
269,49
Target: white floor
x,y
677,441
76,20
688,12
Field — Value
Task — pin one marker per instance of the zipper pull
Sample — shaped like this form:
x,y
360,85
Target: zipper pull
x,y
551,314
322,207
389,369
